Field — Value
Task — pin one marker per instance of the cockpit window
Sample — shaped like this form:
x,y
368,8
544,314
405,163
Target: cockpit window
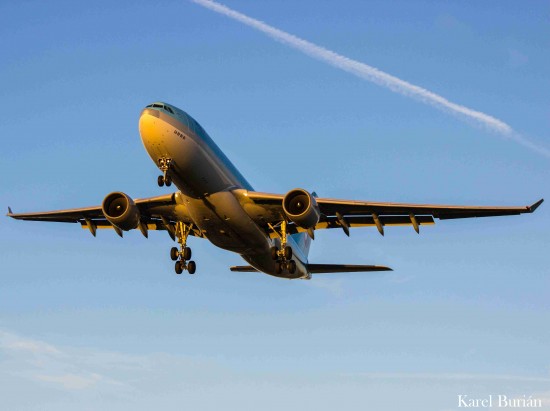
x,y
157,105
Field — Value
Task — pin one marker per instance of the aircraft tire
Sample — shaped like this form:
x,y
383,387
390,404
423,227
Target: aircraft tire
x,y
288,252
168,181
291,265
187,253
191,267
274,253
174,253
278,267
178,267
160,181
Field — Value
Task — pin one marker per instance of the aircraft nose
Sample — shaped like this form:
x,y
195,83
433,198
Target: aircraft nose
x,y
150,129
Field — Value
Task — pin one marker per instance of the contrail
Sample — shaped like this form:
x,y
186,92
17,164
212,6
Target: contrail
x,y
376,76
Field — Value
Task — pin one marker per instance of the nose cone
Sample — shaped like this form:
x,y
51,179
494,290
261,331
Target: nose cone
x,y
151,131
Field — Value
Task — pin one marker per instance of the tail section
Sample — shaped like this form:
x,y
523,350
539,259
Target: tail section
x,y
303,242
324,268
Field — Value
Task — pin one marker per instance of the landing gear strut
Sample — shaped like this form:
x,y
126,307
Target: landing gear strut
x,y
164,165
283,256
182,255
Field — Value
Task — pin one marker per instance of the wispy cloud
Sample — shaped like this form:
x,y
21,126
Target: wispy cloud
x,y
39,361
454,377
378,77
14,342
71,381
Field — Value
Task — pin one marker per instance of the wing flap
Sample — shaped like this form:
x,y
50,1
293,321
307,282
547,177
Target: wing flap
x,y
361,221
368,221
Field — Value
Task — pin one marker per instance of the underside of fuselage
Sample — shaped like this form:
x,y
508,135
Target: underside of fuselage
x,y
212,191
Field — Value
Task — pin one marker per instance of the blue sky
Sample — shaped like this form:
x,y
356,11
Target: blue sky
x,y
105,323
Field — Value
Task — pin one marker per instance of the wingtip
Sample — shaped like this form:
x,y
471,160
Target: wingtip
x,y
9,212
533,207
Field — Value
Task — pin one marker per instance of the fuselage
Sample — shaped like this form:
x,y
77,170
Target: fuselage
x,y
212,192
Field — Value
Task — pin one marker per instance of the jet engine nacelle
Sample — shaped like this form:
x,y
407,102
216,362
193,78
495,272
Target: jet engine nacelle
x,y
121,211
301,208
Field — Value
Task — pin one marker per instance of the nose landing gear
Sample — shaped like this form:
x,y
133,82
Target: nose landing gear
x,y
283,256
164,165
182,255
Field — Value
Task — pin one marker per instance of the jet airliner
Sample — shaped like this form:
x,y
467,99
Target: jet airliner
x,y
272,232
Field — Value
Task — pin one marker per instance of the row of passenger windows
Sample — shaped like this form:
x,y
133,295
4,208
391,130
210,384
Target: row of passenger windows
x,y
156,105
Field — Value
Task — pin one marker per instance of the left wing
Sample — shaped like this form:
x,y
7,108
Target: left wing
x,y
156,213
337,213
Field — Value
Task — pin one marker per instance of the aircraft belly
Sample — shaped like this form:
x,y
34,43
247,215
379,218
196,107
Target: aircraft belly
x,y
224,222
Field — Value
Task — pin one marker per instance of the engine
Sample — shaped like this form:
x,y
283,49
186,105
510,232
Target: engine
x,y
121,211
301,208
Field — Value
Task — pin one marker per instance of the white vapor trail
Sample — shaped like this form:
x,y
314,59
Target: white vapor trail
x,y
376,76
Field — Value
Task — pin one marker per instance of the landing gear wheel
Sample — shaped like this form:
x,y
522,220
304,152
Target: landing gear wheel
x,y
274,253
291,266
278,267
183,253
160,181
288,252
168,181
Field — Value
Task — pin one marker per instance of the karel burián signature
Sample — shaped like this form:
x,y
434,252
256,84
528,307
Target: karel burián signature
x,y
499,401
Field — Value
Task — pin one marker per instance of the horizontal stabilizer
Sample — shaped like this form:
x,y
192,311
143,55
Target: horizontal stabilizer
x,y
344,268
323,268
243,268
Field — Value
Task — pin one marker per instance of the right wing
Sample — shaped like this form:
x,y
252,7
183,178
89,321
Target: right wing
x,y
336,213
157,213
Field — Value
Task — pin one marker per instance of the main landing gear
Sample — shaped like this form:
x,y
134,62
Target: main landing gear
x,y
182,255
283,256
164,165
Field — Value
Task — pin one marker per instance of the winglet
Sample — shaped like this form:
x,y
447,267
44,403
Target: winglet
x,y
533,207
9,211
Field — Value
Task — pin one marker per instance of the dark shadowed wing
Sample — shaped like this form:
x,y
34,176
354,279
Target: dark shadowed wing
x,y
157,213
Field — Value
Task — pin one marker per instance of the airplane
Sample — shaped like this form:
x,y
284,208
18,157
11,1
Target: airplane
x,y
271,232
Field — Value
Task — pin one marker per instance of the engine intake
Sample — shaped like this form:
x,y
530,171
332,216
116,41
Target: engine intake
x,y
121,211
301,208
